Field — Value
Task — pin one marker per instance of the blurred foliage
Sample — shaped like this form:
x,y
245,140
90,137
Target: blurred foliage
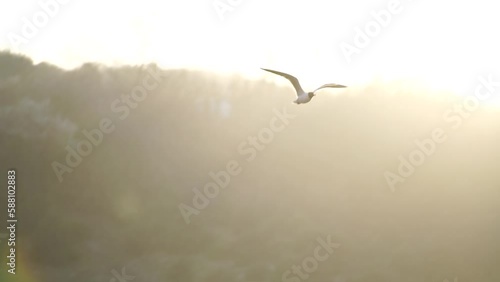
x,y
323,175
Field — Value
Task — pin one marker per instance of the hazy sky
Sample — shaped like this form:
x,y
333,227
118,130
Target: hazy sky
x,y
445,44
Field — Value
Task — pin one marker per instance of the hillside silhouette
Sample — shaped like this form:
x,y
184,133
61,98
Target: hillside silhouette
x,y
322,175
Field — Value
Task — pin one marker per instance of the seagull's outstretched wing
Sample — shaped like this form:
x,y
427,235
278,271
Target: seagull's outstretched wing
x,y
291,78
330,85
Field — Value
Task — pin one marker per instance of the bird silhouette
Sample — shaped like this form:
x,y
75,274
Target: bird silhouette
x,y
302,96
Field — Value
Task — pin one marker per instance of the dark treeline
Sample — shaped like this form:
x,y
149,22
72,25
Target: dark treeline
x,y
323,175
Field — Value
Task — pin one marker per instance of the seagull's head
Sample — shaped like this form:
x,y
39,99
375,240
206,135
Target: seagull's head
x,y
311,94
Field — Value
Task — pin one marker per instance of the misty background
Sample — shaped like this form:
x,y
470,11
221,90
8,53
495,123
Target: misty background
x,y
67,66
322,175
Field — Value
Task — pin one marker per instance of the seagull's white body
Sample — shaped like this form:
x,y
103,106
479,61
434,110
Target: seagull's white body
x,y
302,96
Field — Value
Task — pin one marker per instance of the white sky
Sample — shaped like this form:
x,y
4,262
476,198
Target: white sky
x,y
444,44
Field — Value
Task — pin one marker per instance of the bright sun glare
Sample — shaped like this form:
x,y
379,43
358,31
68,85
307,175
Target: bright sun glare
x,y
389,40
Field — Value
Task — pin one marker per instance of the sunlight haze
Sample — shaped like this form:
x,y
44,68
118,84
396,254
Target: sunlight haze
x,y
455,41
249,141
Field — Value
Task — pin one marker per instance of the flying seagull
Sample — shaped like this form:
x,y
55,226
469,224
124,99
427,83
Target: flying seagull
x,y
303,97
